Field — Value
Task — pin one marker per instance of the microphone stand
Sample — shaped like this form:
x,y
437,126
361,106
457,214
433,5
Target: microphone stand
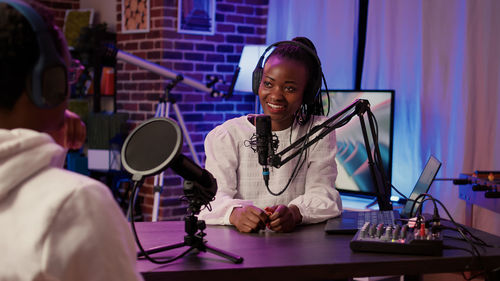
x,y
358,107
193,239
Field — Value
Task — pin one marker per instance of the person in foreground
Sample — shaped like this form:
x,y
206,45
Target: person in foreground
x,y
288,90
56,224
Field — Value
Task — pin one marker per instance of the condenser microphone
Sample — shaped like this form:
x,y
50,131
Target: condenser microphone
x,y
264,143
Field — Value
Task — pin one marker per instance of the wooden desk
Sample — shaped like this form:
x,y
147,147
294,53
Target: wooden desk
x,y
306,254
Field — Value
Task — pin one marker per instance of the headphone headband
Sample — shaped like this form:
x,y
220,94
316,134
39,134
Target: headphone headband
x,y
309,94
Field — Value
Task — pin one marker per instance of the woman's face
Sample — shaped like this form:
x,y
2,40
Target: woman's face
x,y
281,90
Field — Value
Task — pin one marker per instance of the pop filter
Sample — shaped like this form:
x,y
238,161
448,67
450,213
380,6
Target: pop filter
x,y
151,147
154,146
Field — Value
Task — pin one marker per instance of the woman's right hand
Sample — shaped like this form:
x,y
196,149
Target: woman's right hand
x,y
248,218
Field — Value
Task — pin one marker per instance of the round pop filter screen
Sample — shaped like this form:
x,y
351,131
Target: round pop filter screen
x,y
151,146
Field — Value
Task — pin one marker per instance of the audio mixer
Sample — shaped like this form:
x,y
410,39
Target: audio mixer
x,y
397,239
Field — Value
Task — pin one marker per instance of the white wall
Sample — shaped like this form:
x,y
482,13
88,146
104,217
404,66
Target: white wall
x,y
105,11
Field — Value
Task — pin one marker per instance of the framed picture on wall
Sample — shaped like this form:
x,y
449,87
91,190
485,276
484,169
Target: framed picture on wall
x,y
196,16
74,21
135,16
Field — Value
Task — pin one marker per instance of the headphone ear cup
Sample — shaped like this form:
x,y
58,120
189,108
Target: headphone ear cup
x,y
48,86
311,93
256,79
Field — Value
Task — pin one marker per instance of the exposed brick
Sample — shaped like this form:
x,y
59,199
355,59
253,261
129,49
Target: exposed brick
x,y
204,67
247,10
194,37
215,58
225,48
145,107
193,98
194,56
183,66
225,28
205,47
235,39
257,2
184,45
255,20
235,19
225,68
255,40
213,117
146,45
225,7
224,107
219,17
261,31
215,38
131,46
186,107
233,115
233,58
172,55
244,29
261,11
244,107
193,117
203,127
204,107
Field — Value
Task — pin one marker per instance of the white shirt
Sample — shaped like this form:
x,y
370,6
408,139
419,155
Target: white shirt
x,y
239,176
56,224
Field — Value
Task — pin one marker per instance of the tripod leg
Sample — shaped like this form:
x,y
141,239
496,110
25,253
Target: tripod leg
x,y
162,110
224,254
161,249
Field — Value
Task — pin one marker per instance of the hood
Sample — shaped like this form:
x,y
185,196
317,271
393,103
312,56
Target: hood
x,y
23,153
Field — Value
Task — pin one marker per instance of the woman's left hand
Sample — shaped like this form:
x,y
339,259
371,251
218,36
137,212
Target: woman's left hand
x,y
283,218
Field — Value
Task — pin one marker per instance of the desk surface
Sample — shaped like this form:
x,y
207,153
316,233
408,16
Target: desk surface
x,y
306,254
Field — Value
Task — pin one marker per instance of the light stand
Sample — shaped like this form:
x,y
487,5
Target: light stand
x,y
358,107
162,110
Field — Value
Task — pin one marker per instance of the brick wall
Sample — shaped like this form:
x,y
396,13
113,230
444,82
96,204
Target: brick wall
x,y
59,7
238,22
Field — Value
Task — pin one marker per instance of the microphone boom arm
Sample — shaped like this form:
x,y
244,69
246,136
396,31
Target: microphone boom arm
x,y
358,107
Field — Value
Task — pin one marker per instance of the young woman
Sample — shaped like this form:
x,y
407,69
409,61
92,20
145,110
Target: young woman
x,y
288,89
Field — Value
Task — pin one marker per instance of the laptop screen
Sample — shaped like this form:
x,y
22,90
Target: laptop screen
x,y
422,186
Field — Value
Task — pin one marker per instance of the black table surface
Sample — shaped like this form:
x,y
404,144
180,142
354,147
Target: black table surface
x,y
308,253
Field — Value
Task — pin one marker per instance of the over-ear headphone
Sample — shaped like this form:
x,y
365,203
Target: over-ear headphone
x,y
309,93
48,86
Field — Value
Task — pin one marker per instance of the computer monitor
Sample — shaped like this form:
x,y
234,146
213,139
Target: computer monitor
x,y
354,175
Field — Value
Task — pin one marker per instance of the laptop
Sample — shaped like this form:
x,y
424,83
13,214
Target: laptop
x,y
349,221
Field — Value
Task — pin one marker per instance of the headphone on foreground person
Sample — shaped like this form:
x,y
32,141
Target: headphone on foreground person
x,y
312,96
47,81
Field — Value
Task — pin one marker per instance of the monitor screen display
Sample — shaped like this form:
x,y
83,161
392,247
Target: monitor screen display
x,y
352,162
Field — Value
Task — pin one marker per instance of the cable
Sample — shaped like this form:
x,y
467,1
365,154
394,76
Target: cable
x,y
297,167
395,189
144,253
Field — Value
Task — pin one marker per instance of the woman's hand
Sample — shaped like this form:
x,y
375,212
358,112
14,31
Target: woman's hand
x,y
248,218
283,218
